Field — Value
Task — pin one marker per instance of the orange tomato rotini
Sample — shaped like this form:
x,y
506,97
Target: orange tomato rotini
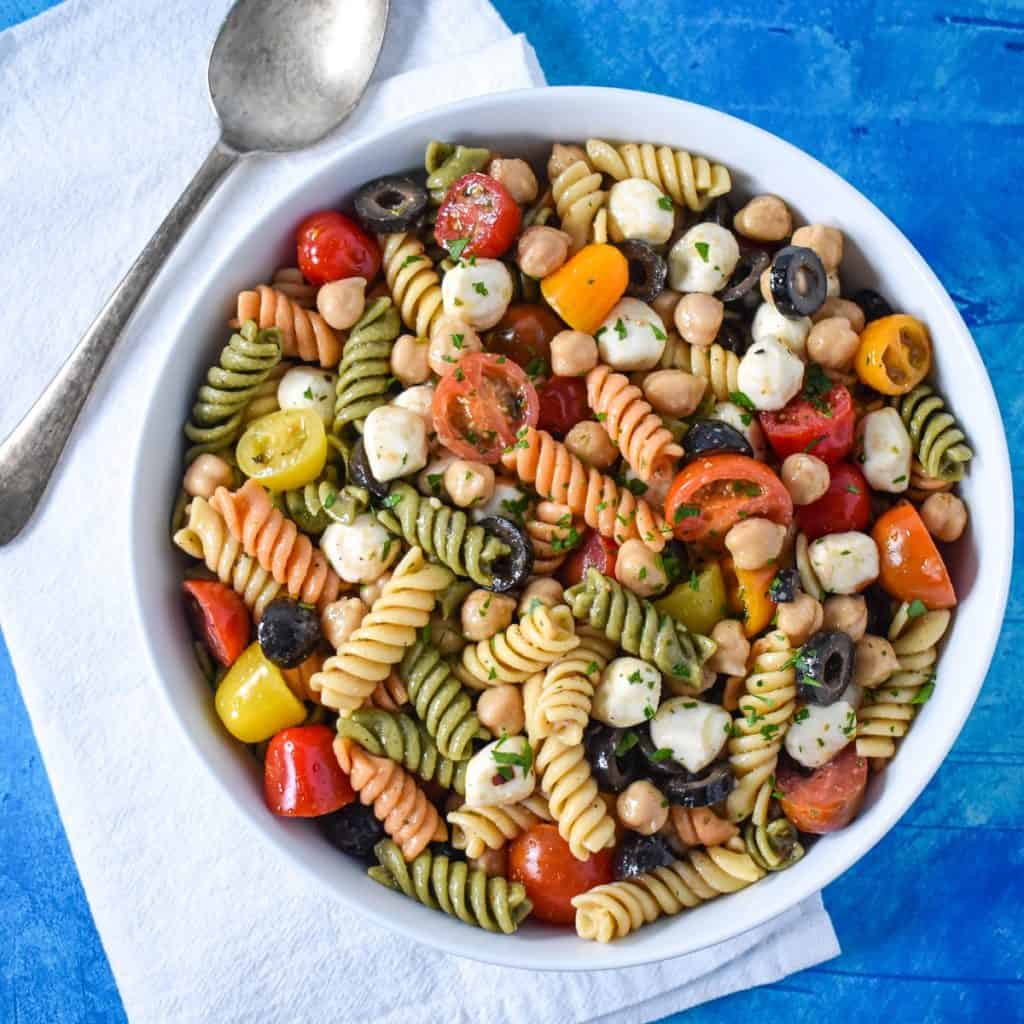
x,y
305,333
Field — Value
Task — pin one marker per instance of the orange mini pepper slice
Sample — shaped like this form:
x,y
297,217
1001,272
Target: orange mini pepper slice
x,y
584,291
911,567
749,596
895,354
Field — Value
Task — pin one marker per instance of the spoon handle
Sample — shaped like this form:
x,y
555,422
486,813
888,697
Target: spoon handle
x,y
31,452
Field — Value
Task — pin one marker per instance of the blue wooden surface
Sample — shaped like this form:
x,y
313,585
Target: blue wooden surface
x,y
919,105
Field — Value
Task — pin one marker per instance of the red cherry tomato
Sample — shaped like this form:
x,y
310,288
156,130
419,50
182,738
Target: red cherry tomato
x,y
711,495
524,334
822,426
596,552
846,505
332,246
480,209
563,404
541,859
301,775
220,617
910,563
481,405
828,799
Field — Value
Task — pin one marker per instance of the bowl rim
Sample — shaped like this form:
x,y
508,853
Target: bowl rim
x,y
623,953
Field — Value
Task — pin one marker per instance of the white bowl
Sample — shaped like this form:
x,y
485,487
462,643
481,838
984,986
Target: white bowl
x,y
878,255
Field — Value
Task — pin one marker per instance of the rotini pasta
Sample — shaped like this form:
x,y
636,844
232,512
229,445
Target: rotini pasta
x,y
304,332
558,475
478,829
938,441
365,369
400,805
388,629
494,904
322,502
771,840
389,694
809,581
298,678
719,366
631,422
579,202
413,281
264,397
691,181
552,536
446,163
289,281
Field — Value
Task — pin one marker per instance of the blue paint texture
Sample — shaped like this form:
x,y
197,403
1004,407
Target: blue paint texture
x,y
919,105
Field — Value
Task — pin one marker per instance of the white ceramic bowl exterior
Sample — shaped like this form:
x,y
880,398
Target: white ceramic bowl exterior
x,y
877,255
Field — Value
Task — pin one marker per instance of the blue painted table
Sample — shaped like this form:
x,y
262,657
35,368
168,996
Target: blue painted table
x,y
918,105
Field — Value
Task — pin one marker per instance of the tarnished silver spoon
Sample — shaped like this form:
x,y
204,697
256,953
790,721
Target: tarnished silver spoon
x,y
283,74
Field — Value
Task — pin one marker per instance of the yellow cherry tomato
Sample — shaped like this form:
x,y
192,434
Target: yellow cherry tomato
x,y
254,701
698,602
584,290
895,354
284,450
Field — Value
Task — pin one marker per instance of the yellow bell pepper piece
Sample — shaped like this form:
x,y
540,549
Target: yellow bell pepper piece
x,y
254,701
699,602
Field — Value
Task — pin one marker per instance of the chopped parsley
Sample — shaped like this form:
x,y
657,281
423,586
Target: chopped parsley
x,y
664,202
703,248
391,500
811,445
686,512
480,288
413,258
658,332
457,340
456,247
515,510
916,609
694,581
434,482
308,394
924,694
801,715
816,386
662,754
742,399
620,328
637,487
627,743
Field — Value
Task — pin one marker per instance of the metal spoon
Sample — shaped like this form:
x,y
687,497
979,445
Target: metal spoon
x,y
283,74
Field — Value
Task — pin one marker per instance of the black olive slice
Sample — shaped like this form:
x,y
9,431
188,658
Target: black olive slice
x,y
872,305
824,668
659,765
709,787
512,570
390,204
784,587
647,270
747,275
734,335
639,854
354,830
799,283
360,474
714,437
612,756
288,632
720,212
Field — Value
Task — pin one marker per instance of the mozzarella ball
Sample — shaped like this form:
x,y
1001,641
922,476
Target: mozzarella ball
x,y
817,733
703,259
770,323
695,732
479,292
638,209
628,693
360,551
845,563
632,336
885,450
341,303
396,442
306,387
469,483
770,375
507,500
419,400
746,423
500,779
944,515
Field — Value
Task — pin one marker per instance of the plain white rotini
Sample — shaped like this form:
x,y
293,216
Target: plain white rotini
x,y
478,829
413,281
809,582
715,364
580,201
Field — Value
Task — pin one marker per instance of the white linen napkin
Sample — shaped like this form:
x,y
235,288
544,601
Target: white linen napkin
x,y
104,120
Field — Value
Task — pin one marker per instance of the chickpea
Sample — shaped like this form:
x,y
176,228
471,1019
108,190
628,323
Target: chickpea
x,y
500,709
674,392
517,176
540,591
493,863
806,477
469,483
340,619
733,649
755,542
369,592
573,353
841,307
639,569
642,807
825,241
445,636
764,219
665,304
562,158
833,343
341,303
698,318
409,360
799,619
589,441
846,614
945,516
484,614
542,250
874,661
450,339
206,474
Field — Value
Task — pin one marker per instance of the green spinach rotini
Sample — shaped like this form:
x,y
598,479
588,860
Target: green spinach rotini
x,y
938,441
323,501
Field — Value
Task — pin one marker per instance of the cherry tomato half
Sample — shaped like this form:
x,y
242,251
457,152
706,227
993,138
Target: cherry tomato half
x,y
220,617
524,334
301,775
845,506
822,425
829,798
563,404
711,495
541,859
895,354
910,563
332,246
480,406
596,552
284,450
480,209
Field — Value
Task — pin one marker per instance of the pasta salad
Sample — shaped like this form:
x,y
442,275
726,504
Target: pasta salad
x,y
567,541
